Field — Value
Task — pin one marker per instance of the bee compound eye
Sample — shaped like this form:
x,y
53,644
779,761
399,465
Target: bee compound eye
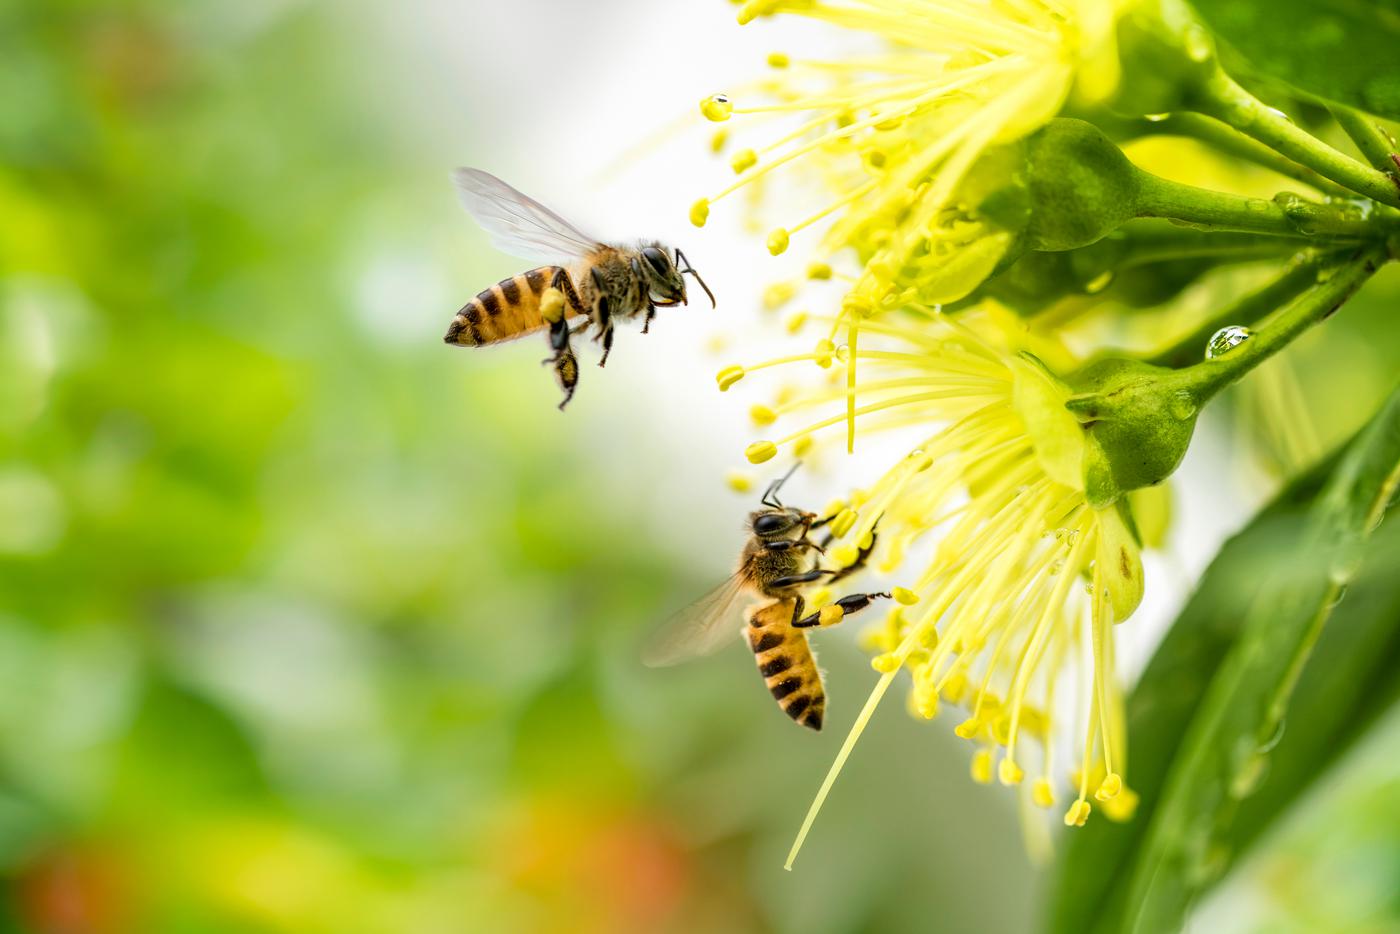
x,y
767,525
656,259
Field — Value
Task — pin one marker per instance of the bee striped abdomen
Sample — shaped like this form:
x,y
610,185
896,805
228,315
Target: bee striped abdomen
x,y
507,310
786,663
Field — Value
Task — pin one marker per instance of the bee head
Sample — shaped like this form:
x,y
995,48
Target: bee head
x,y
665,276
782,522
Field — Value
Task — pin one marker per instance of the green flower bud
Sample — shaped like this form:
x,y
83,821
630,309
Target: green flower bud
x,y
1138,419
1081,186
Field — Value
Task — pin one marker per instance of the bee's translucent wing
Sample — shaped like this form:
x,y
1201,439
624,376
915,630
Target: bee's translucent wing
x,y
700,628
518,224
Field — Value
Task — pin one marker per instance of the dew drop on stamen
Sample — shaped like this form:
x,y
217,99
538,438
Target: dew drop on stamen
x,y
1182,405
1226,339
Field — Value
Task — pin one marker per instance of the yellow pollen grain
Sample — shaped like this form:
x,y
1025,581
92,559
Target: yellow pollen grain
x,y
760,451
845,555
905,596
728,377
982,767
700,212
717,108
778,241
843,522
885,663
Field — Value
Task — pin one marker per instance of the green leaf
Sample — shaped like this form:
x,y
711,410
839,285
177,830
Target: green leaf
x,y
1237,643
1341,50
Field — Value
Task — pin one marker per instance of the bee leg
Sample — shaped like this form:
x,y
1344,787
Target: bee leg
x,y
564,362
651,313
849,604
607,344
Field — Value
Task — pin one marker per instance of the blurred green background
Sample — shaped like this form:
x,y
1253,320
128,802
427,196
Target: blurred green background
x,y
309,624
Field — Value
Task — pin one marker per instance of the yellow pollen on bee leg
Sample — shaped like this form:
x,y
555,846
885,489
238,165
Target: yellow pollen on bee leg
x,y
552,305
830,615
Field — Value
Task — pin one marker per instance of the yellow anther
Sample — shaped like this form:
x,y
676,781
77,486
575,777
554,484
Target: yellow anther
x,y
873,158
717,107
778,60
928,636
778,294
982,767
859,498
927,704
969,728
778,241
1122,806
1001,729
955,688
1042,794
762,415
843,522
802,445
729,376
819,271
1109,787
904,595
760,451
739,481
825,353
1009,772
921,461
743,160
795,322
867,540
1078,813
884,663
845,555
552,305
700,212
830,615
718,140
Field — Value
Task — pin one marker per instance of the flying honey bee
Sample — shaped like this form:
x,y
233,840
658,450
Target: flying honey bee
x,y
604,283
777,563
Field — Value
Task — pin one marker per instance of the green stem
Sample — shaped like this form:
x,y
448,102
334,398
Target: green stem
x,y
1154,240
1287,216
1301,274
1225,100
1219,136
1204,380
1373,142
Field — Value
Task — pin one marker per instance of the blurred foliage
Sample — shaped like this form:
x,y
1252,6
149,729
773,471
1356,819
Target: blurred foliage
x,y
311,625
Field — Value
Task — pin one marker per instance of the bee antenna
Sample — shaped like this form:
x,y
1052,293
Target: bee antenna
x,y
770,496
680,258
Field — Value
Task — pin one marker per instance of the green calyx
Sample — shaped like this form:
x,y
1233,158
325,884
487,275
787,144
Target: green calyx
x,y
1138,421
1081,186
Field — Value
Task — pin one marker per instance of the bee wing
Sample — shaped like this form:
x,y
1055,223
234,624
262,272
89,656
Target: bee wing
x,y
700,628
518,224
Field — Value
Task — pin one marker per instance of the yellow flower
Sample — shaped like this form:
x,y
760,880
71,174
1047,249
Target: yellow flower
x,y
905,140
1021,578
